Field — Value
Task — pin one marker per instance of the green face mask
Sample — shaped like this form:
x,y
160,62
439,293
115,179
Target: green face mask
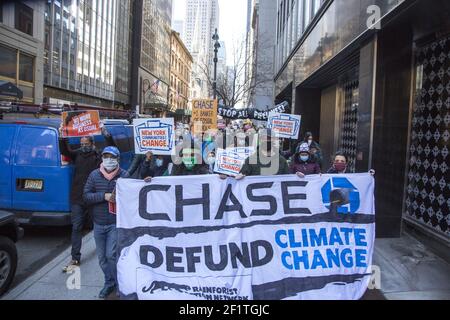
x,y
189,162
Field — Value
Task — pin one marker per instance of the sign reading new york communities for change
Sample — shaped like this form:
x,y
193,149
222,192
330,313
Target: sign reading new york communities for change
x,y
228,162
261,238
285,125
155,135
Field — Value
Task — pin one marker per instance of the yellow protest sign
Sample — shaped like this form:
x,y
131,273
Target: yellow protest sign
x,y
204,115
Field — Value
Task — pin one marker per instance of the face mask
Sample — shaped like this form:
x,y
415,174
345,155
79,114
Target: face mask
x,y
340,167
110,164
189,163
211,160
87,149
304,158
159,163
310,142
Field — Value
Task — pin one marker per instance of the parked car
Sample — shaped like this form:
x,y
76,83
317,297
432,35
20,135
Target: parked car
x,y
35,179
10,233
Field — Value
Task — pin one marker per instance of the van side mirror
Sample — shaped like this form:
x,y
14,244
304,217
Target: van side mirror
x,y
339,197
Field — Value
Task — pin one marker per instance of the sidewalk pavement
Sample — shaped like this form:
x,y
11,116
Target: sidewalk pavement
x,y
409,271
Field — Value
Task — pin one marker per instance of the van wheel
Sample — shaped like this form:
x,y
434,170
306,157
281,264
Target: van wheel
x,y
8,263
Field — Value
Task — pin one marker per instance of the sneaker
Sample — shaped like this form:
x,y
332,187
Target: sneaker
x,y
106,291
71,266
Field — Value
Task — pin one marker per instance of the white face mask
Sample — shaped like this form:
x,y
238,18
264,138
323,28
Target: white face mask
x,y
211,160
110,164
159,163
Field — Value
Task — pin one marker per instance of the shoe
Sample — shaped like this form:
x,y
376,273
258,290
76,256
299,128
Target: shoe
x,y
106,291
71,266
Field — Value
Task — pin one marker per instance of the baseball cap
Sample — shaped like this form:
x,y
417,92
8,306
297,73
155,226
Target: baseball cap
x,y
112,150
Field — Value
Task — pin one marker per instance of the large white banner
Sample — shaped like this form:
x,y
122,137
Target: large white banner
x,y
261,238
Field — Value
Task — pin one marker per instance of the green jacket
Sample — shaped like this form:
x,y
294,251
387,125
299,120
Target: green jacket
x,y
255,169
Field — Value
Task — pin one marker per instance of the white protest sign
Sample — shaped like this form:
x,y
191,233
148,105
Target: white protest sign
x,y
229,162
285,125
261,238
244,152
155,135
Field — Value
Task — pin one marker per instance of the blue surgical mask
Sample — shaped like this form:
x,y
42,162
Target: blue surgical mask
x,y
159,163
304,158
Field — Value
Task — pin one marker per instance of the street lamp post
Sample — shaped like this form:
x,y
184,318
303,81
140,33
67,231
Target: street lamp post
x,y
216,49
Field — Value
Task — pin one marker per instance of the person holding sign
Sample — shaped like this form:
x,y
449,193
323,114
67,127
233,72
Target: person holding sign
x,y
303,163
98,192
85,160
192,163
267,161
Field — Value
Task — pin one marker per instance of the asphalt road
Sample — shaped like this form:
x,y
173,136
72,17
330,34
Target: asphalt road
x,y
38,247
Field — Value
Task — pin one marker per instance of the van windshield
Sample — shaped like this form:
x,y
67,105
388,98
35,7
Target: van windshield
x,y
37,147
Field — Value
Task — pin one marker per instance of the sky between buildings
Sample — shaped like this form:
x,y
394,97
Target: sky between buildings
x,y
232,21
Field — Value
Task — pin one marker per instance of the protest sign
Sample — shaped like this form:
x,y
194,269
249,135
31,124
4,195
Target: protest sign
x,y
229,162
261,238
284,125
80,124
204,115
251,113
155,135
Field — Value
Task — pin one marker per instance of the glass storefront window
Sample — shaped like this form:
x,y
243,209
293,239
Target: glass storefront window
x,y
8,58
26,68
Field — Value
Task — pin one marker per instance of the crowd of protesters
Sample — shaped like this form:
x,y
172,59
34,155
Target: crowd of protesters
x,y
96,173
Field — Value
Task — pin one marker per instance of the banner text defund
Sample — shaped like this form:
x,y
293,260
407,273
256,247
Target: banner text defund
x,y
259,238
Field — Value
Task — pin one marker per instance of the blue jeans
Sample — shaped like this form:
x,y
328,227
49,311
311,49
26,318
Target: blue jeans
x,y
78,217
106,243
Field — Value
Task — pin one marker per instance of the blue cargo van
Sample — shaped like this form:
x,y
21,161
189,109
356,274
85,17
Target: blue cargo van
x,y
35,179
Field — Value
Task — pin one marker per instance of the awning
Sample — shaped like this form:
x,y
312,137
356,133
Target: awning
x,y
9,89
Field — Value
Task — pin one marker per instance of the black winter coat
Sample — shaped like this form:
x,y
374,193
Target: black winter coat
x,y
84,164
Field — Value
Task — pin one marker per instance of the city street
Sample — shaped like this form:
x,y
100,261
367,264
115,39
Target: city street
x,y
225,150
39,246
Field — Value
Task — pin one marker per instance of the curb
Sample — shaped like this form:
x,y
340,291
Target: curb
x,y
30,281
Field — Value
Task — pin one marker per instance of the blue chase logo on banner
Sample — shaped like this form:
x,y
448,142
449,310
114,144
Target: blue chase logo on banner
x,y
341,183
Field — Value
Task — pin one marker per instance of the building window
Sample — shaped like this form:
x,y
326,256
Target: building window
x,y
26,68
24,18
8,67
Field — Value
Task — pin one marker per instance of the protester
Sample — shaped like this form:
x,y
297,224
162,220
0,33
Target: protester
x,y
140,164
314,147
158,168
339,164
85,160
97,193
303,163
211,161
267,160
192,163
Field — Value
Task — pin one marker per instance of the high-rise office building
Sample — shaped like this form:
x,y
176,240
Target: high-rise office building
x,y
87,51
260,53
21,50
151,57
202,19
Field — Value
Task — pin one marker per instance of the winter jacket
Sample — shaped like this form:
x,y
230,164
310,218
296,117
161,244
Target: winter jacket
x,y
94,196
250,169
181,170
317,157
307,168
84,164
